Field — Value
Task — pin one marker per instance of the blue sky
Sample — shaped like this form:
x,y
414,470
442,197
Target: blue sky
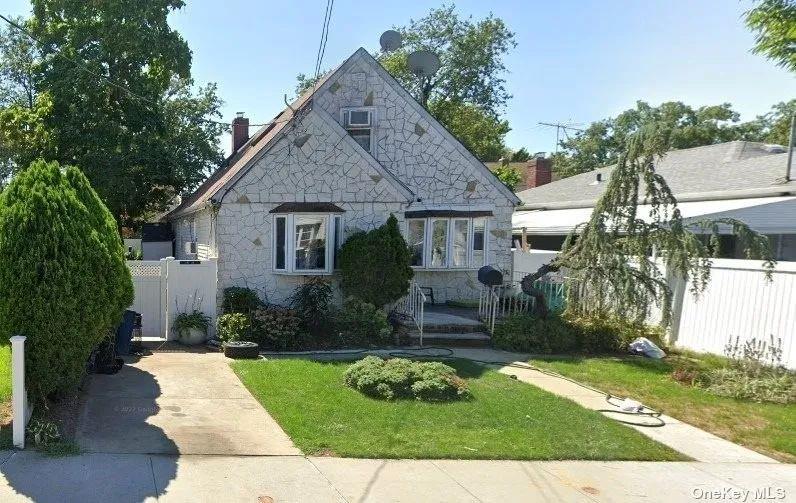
x,y
577,61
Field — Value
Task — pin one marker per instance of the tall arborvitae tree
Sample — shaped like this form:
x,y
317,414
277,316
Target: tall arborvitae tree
x,y
608,260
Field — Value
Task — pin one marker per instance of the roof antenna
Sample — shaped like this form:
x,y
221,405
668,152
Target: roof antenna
x,y
292,112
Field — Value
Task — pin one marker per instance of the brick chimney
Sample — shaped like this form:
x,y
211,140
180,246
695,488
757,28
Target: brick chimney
x,y
240,131
538,171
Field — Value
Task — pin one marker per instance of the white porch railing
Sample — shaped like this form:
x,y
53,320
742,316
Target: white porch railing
x,y
504,300
413,305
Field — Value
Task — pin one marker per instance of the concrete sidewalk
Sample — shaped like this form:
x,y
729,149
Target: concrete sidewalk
x,y
177,402
122,478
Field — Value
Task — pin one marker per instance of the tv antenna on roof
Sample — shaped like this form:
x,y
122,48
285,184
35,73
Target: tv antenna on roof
x,y
424,64
390,41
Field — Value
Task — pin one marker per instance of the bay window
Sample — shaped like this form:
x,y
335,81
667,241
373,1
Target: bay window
x,y
416,237
447,242
306,243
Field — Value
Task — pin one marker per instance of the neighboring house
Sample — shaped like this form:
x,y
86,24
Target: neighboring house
x,y
743,180
342,158
534,172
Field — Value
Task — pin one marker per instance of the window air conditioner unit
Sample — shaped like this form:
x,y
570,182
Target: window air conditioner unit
x,y
190,247
358,118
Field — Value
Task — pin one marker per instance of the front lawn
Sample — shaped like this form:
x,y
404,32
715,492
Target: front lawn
x,y
5,396
764,427
505,419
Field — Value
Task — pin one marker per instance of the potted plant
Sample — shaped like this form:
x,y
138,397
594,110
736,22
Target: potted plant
x,y
191,327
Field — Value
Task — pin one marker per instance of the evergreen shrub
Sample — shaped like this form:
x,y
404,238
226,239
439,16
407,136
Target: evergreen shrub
x,y
375,265
64,283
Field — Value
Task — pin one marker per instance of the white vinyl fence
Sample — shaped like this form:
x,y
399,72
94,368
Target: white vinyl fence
x,y
166,287
738,302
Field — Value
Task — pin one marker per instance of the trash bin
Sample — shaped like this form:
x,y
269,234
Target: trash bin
x,y
124,333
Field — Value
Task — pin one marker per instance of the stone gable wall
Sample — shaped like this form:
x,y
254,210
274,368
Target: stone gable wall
x,y
316,162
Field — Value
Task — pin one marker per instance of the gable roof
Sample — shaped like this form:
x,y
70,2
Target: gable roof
x,y
708,172
384,74
238,159
259,143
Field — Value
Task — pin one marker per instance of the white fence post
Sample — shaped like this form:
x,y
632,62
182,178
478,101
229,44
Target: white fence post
x,y
19,395
165,263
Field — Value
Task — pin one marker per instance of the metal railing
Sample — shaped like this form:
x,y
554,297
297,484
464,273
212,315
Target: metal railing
x,y
413,306
504,300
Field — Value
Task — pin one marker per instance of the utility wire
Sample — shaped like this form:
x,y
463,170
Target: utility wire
x,y
324,37
110,81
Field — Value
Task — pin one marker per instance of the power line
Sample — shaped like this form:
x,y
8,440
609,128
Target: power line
x,y
110,81
327,18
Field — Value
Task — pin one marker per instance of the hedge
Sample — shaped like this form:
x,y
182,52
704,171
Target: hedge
x,y
63,279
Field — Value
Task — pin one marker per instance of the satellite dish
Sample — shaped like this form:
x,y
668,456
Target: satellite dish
x,y
390,41
424,63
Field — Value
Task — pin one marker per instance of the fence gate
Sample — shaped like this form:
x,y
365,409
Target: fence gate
x,y
166,287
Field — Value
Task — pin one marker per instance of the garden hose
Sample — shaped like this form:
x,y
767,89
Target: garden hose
x,y
447,353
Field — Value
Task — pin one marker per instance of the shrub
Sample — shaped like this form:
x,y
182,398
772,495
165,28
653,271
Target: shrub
x,y
64,282
402,378
527,334
773,387
606,334
234,327
311,301
563,333
754,372
375,265
361,323
278,328
238,299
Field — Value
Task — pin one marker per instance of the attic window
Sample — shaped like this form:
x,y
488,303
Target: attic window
x,y
359,123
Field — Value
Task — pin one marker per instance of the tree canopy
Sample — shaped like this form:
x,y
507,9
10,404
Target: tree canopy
x,y
602,142
774,25
468,94
609,260
112,94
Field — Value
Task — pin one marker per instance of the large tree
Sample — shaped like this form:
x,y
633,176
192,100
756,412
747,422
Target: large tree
x,y
618,261
113,95
774,25
602,142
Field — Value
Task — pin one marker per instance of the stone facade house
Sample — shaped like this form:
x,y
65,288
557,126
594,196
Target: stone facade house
x,y
343,157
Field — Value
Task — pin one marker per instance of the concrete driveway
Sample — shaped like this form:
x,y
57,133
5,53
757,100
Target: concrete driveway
x,y
177,402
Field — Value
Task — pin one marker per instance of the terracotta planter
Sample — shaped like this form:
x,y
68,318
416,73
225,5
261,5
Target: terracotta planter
x,y
191,336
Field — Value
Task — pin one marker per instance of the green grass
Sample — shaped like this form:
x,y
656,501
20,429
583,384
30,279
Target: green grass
x,y
5,373
505,419
766,428
5,397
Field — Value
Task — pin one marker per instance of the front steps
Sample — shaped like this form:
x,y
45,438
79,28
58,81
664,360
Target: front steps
x,y
449,328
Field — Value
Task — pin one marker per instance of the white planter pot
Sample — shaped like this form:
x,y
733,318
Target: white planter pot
x,y
192,336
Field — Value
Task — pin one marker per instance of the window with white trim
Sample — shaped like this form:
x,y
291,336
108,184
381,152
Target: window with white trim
x,y
447,243
306,243
359,122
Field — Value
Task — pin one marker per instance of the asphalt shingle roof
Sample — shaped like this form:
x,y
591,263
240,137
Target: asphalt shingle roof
x,y
731,166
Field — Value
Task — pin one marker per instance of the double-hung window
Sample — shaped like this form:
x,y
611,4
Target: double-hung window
x,y
447,242
306,243
359,122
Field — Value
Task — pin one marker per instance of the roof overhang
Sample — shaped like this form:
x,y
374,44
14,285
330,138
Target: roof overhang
x,y
564,221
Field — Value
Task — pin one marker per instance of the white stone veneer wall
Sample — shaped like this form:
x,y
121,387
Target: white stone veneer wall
x,y
328,166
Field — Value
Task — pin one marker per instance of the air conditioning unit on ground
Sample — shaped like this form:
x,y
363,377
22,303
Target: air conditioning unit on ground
x,y
190,247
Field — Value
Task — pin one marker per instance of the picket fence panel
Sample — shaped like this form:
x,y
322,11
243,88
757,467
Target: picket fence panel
x,y
166,287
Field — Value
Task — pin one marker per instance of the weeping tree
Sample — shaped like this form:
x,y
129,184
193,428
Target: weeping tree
x,y
618,261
